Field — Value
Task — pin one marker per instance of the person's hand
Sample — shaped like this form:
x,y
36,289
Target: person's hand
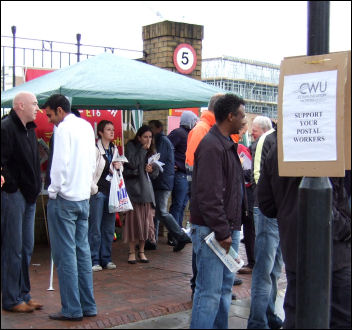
x,y
117,165
2,180
147,145
149,168
226,244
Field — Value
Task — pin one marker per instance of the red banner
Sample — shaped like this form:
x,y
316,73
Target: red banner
x,y
178,112
44,129
30,73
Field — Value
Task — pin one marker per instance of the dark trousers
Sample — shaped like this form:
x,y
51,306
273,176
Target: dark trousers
x,y
194,270
340,304
249,229
249,237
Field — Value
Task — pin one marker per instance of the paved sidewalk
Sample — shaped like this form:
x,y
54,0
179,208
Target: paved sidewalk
x,y
129,294
238,317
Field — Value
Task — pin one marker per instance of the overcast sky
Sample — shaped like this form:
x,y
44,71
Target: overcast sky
x,y
265,31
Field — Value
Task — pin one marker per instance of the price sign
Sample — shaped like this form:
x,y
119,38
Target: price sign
x,y
185,58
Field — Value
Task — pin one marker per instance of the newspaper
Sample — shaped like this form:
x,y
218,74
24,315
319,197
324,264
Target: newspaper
x,y
245,161
154,159
231,260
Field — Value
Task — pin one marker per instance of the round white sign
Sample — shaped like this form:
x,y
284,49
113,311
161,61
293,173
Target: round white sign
x,y
185,58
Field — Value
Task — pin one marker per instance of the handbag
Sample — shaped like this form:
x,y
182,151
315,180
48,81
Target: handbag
x,y
130,173
118,197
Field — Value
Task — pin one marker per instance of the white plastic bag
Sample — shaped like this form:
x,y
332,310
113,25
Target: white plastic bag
x,y
118,198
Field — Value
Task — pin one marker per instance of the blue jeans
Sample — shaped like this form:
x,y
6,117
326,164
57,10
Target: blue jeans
x,y
161,214
17,243
266,271
179,197
68,229
101,229
235,245
212,298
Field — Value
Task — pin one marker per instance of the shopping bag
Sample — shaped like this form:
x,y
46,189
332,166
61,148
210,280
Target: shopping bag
x,y
118,198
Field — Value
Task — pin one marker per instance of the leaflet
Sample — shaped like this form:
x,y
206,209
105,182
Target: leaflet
x,y
154,159
231,260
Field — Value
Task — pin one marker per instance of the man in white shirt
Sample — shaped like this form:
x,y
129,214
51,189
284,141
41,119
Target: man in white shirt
x,y
71,175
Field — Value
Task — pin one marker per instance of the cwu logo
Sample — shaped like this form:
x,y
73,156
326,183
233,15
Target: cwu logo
x,y
313,88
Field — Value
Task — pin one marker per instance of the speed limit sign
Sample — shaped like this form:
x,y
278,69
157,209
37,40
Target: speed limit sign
x,y
185,58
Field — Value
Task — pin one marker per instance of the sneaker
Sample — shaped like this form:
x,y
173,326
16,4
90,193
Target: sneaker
x,y
97,268
110,265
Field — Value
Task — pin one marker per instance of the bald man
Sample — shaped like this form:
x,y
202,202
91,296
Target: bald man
x,y
21,170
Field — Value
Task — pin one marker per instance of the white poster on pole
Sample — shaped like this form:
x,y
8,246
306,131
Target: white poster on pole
x,y
309,117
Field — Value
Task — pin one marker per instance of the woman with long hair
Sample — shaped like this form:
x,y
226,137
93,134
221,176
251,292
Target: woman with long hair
x,y
139,224
101,227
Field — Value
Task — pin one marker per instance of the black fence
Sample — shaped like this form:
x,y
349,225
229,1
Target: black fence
x,y
18,53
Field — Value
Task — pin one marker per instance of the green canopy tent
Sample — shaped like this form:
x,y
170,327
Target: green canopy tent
x,y
108,81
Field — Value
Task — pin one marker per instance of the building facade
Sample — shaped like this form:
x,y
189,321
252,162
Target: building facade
x,y
256,82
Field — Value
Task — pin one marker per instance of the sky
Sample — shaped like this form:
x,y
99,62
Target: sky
x,y
265,31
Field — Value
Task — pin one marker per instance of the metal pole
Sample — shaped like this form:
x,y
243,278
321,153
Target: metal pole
x,y
13,29
318,27
51,288
314,241
78,37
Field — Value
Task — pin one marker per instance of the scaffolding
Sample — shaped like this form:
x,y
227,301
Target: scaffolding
x,y
256,82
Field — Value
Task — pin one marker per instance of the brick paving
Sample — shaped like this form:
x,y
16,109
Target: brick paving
x,y
128,294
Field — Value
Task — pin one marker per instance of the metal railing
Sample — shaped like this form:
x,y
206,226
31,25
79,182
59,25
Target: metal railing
x,y
18,52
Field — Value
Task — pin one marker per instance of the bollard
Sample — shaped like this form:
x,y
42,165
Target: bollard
x,y
314,253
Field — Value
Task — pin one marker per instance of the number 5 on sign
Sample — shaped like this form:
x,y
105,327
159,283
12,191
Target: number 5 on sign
x,y
185,58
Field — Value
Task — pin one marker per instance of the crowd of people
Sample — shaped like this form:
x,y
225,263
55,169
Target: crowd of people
x,y
245,190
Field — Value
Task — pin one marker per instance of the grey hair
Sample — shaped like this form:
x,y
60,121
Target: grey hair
x,y
263,122
212,101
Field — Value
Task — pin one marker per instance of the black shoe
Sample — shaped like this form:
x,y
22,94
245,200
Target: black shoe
x,y
132,262
60,317
150,246
237,281
234,297
182,242
274,322
89,315
144,261
170,240
179,246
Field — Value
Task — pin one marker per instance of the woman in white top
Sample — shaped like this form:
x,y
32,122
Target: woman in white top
x,y
101,222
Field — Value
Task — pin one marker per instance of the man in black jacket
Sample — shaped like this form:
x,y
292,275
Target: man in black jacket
x,y
217,205
21,170
278,197
163,185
